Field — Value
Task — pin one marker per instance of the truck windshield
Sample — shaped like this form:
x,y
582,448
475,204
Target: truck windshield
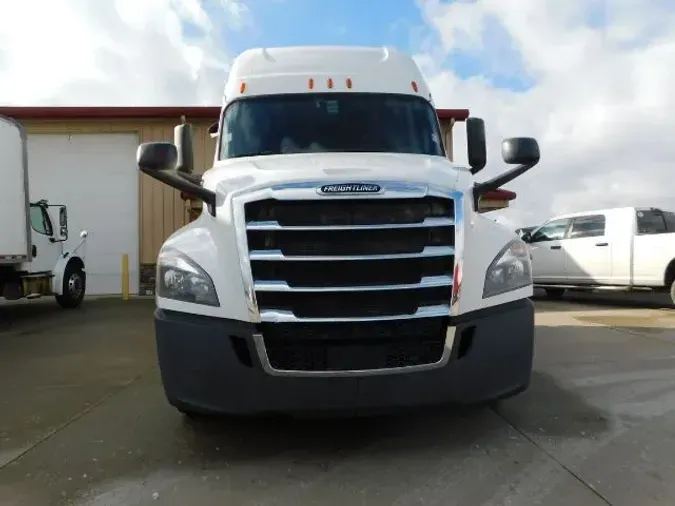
x,y
330,122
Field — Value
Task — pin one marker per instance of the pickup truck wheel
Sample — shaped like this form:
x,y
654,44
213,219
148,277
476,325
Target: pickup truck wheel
x,y
672,292
555,293
74,284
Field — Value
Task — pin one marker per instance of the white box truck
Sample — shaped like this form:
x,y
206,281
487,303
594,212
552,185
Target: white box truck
x,y
339,262
33,260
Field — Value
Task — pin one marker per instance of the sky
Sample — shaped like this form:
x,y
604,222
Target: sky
x,y
592,80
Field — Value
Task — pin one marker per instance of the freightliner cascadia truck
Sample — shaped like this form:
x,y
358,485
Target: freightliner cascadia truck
x,y
339,263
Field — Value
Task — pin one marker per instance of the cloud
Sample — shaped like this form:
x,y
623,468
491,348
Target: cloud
x,y
591,79
599,99
121,52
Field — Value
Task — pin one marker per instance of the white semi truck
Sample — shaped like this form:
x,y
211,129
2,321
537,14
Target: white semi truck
x,y
339,262
33,261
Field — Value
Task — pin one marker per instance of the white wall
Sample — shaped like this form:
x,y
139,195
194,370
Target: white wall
x,y
95,175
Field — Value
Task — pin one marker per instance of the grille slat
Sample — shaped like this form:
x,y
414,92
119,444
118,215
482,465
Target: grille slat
x,y
350,273
330,269
350,242
282,286
344,304
429,251
285,316
275,225
339,212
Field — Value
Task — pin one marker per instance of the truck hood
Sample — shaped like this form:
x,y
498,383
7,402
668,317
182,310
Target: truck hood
x,y
333,167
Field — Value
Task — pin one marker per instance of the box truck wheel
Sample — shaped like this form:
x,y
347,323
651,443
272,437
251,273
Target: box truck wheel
x,y
672,291
74,283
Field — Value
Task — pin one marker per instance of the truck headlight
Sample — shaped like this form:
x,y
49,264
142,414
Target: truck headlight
x,y
511,269
180,278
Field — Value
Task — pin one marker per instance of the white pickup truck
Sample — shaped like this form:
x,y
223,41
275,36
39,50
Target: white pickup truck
x,y
624,249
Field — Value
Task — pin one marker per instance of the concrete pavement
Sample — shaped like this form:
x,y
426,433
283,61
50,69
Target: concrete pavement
x,y
83,421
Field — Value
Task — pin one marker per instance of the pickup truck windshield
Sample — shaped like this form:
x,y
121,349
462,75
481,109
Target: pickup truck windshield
x,y
330,122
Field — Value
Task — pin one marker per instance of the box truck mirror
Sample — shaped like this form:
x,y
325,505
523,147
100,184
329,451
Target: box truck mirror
x,y
63,223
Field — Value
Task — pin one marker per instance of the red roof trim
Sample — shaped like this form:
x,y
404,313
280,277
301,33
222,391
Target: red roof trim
x,y
110,112
191,112
500,195
456,114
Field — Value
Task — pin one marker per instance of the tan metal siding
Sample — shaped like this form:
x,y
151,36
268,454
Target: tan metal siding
x,y
162,211
446,127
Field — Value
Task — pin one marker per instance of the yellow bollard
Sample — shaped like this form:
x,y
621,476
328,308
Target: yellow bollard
x,y
125,277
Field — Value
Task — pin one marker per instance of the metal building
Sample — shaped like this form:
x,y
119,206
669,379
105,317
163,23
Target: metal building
x,y
84,157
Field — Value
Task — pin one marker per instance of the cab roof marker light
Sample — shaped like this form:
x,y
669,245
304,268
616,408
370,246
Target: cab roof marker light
x,y
310,84
349,83
242,87
330,83
414,86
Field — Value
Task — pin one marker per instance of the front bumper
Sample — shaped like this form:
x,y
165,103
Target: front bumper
x,y
211,365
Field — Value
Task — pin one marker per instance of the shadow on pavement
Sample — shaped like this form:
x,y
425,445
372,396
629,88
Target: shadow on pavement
x,y
605,300
548,408
600,402
29,317
555,410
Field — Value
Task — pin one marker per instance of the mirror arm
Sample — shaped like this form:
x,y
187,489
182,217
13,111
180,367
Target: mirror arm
x,y
501,179
193,178
185,183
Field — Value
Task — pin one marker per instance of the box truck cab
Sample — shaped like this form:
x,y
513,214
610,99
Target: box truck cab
x,y
339,262
33,259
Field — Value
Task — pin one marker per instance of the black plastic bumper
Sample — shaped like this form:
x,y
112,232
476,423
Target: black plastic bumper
x,y
211,365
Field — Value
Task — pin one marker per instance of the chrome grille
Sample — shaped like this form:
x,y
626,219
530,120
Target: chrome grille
x,y
345,269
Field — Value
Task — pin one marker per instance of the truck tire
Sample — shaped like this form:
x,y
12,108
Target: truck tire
x,y
672,292
555,293
74,284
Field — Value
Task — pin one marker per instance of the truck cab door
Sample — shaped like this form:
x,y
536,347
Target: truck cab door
x,y
46,250
653,246
589,250
59,217
548,256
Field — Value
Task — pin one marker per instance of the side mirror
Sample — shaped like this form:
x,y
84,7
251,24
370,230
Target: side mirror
x,y
526,237
520,150
213,130
182,138
63,223
172,164
475,143
156,156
